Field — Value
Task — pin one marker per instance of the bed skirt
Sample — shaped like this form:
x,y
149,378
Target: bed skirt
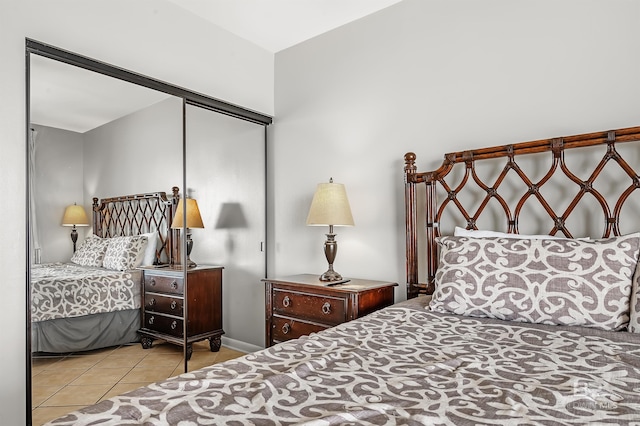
x,y
85,333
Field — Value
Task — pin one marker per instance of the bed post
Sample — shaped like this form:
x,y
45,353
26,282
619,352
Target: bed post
x,y
410,223
97,223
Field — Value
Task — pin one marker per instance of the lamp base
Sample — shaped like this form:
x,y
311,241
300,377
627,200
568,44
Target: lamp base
x,y
330,250
190,263
330,275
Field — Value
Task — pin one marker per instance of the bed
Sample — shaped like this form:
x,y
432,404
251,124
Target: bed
x,y
507,328
94,300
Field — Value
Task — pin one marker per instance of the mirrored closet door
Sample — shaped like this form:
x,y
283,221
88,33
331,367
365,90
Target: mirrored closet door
x,y
123,137
226,173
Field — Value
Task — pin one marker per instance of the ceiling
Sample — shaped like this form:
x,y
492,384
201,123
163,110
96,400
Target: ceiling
x,y
65,97
278,24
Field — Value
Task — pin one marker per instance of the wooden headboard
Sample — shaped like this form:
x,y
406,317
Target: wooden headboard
x,y
138,214
557,187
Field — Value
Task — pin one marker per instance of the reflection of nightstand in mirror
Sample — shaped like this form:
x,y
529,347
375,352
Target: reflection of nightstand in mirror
x,y
164,309
302,304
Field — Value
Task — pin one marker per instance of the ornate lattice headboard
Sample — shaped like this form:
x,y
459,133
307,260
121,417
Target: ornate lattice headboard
x,y
138,214
569,186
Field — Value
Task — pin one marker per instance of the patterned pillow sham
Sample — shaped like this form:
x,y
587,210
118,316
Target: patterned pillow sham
x,y
561,282
91,251
125,252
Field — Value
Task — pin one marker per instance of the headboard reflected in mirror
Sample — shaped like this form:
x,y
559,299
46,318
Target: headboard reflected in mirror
x,y
139,214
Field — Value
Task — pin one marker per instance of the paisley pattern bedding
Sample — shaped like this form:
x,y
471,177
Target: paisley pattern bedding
x,y
403,365
64,290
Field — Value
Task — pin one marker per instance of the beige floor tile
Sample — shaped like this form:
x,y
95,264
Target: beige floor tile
x,y
129,349
101,351
120,360
121,388
41,415
119,369
39,366
102,376
40,394
147,375
57,376
77,395
161,359
164,347
80,361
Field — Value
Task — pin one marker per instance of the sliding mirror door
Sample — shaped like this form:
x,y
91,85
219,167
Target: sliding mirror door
x,y
225,174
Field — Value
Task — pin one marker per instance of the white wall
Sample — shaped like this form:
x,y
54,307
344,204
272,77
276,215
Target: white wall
x,y
432,77
151,37
138,153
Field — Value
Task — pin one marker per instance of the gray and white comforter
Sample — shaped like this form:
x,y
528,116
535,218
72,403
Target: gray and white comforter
x,y
65,290
403,365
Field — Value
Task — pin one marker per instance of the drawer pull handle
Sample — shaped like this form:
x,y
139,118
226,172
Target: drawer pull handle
x,y
174,325
326,308
174,285
286,328
151,320
173,304
152,302
286,302
152,282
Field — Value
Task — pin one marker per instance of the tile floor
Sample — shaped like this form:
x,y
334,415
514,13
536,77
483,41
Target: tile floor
x,y
64,383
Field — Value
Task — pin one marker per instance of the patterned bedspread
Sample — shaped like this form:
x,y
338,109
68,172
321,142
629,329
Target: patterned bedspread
x,y
403,365
64,290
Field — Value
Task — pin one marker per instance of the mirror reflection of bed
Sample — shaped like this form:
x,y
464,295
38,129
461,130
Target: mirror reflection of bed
x,y
87,152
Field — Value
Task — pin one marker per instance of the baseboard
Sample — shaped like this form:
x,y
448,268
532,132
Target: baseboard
x,y
239,346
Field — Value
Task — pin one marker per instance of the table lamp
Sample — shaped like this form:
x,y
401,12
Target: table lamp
x,y
330,206
74,215
194,220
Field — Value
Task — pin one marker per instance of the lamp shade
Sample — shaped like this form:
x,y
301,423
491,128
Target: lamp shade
x,y
75,215
194,220
330,206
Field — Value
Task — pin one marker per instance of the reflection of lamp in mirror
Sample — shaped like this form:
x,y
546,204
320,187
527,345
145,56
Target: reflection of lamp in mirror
x,y
330,206
74,215
194,220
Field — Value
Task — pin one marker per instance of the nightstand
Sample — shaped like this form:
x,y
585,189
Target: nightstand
x,y
298,305
164,310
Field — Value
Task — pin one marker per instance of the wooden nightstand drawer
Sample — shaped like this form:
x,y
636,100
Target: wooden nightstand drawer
x,y
164,284
324,309
164,324
298,305
163,304
287,329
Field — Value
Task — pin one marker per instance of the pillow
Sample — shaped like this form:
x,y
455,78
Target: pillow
x,y
91,251
149,255
462,232
562,282
125,252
